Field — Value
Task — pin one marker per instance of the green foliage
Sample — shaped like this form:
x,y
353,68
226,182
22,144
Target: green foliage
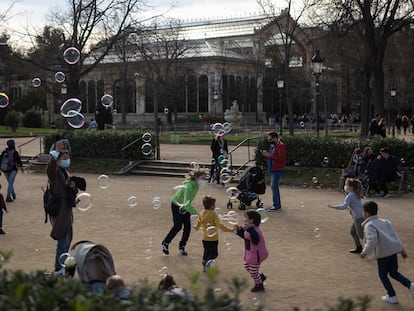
x,y
12,120
100,144
32,118
30,100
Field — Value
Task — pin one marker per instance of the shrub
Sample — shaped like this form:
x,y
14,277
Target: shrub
x,y
32,118
12,120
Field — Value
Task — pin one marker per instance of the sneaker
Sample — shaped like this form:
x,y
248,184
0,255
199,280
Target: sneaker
x,y
257,288
357,250
386,196
164,247
412,289
263,277
14,196
4,232
182,251
9,200
61,272
274,209
389,299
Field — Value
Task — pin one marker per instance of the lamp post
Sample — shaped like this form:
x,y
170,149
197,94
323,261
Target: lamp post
x,y
393,93
280,84
317,63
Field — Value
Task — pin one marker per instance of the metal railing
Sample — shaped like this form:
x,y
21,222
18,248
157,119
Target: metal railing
x,y
19,147
237,147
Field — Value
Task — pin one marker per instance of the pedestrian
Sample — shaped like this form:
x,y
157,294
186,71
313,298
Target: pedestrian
x,y
65,190
219,149
10,161
382,243
3,207
255,250
209,222
353,203
181,208
93,125
405,123
398,124
276,164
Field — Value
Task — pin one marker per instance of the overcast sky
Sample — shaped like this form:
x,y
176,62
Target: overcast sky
x,y
33,13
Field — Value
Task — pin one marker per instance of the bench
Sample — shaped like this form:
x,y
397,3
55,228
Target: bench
x,y
40,159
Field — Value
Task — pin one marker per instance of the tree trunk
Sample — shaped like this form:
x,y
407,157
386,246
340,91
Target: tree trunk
x,y
366,101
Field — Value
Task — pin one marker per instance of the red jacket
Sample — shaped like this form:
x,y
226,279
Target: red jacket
x,y
279,157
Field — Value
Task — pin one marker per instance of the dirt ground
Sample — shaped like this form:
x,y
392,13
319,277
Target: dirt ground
x,y
309,264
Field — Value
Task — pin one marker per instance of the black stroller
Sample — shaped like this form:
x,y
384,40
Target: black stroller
x,y
251,185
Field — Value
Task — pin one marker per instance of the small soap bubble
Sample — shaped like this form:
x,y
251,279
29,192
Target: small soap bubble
x,y
255,301
314,180
156,202
84,201
263,214
36,82
146,137
302,124
62,259
218,290
59,77
194,218
163,271
227,127
132,201
233,193
194,166
225,178
107,100
146,149
103,182
218,129
133,38
75,119
166,111
317,233
4,100
148,253
71,55
211,231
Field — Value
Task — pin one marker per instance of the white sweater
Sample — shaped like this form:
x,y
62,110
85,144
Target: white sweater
x,y
380,238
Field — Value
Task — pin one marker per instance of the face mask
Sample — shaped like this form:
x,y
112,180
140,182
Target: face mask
x,y
201,182
64,163
346,189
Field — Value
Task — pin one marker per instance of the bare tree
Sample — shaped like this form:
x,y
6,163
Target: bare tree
x,y
374,21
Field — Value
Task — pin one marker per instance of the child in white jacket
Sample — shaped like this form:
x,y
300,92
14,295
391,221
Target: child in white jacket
x,y
383,244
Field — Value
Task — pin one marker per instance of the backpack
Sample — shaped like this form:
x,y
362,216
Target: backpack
x,y
5,165
51,203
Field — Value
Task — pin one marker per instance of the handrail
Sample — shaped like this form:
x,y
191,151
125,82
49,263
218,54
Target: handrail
x,y
29,141
230,153
131,143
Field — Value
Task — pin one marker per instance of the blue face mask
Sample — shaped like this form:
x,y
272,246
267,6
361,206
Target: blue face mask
x,y
64,163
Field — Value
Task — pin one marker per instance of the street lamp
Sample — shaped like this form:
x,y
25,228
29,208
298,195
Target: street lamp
x,y
317,63
393,93
280,84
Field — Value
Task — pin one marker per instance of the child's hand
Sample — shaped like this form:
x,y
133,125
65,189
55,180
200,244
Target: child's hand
x,y
362,255
331,206
404,254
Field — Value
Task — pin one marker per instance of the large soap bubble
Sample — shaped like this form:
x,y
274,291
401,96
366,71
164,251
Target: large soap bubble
x,y
71,55
146,149
107,100
4,100
84,201
233,193
71,104
103,182
75,119
36,82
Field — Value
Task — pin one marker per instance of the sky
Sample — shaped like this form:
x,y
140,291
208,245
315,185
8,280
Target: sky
x,y
33,13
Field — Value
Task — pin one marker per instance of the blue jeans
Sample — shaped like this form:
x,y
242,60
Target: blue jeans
x,y
274,184
10,176
389,265
61,248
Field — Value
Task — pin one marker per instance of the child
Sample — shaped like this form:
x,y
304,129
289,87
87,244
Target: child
x,y
382,243
116,284
358,162
210,241
353,188
255,248
2,207
181,214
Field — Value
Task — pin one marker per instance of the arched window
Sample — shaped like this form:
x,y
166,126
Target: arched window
x,y
192,93
252,95
203,93
91,102
100,91
149,97
124,99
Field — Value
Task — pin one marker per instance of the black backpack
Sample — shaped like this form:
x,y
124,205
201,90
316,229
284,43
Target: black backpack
x,y
51,203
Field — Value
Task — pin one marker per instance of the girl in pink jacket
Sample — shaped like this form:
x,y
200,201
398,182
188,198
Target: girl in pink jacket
x,y
255,248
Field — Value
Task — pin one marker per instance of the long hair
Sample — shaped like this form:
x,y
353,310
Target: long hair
x,y
356,185
194,174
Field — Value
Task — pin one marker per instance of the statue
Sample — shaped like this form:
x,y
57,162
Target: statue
x,y
233,115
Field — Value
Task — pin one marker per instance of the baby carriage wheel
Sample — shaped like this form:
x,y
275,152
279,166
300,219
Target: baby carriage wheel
x,y
259,204
242,206
229,205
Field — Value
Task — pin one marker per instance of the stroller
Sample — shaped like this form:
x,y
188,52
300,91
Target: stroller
x,y
94,264
251,184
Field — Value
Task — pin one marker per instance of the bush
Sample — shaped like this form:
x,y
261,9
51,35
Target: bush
x,y
12,120
32,118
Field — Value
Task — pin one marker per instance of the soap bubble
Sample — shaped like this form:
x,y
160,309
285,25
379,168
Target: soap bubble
x,y
156,202
233,193
71,104
132,201
210,263
146,149
302,124
218,129
227,127
62,259
103,182
220,158
232,218
148,253
4,100
181,196
133,38
194,218
83,201
71,55
36,82
182,210
263,215
316,233
166,111
59,77
107,100
325,161
255,301
211,231
194,166
75,119
146,137
163,271
315,180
